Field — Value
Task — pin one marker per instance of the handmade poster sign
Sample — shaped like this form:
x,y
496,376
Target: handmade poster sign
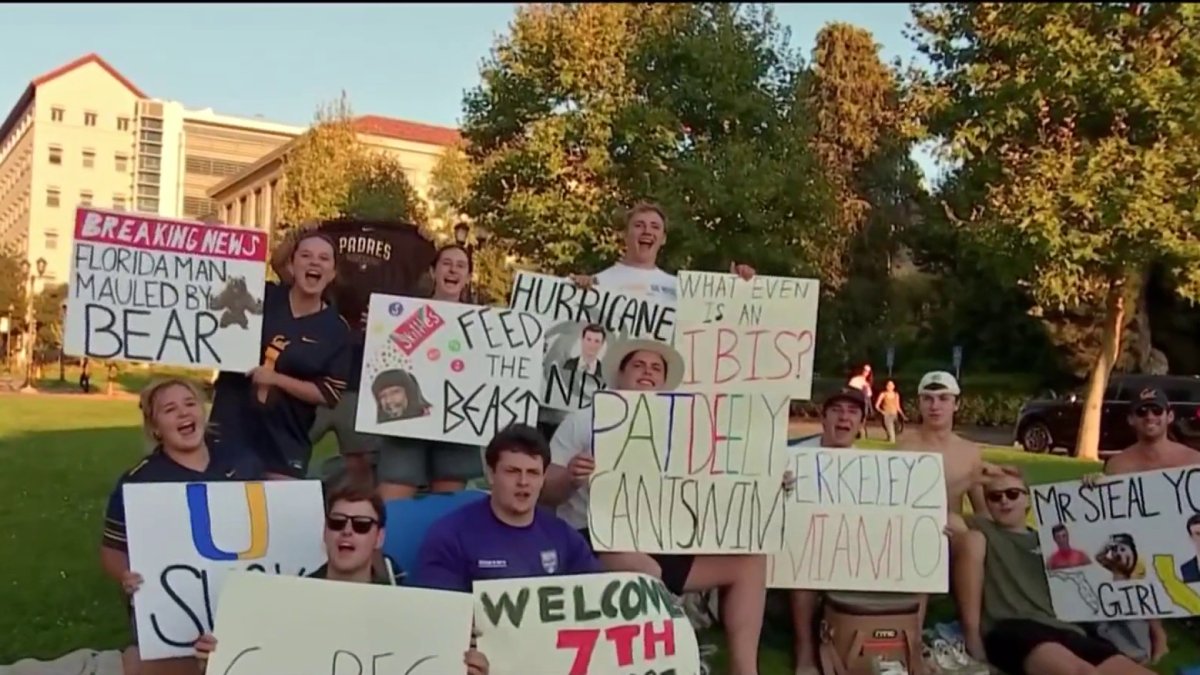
x,y
616,624
747,336
175,292
1124,549
580,324
447,371
682,472
185,539
864,520
283,626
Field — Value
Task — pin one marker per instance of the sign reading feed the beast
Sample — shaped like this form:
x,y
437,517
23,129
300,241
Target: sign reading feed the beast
x,y
176,292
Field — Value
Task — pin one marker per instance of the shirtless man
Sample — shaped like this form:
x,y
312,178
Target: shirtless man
x,y
1150,416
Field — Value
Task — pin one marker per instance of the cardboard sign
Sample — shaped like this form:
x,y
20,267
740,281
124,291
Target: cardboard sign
x,y
282,626
747,336
580,324
175,292
617,624
185,539
447,371
1128,548
864,520
682,472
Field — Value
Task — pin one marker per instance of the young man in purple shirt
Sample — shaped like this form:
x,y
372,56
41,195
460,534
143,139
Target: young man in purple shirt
x,y
507,535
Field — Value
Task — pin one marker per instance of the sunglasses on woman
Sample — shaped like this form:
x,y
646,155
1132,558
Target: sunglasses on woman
x,y
360,524
1011,494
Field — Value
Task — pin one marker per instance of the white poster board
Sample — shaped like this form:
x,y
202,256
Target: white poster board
x,y
286,626
573,350
155,290
682,472
747,336
616,624
864,520
447,371
185,539
1125,549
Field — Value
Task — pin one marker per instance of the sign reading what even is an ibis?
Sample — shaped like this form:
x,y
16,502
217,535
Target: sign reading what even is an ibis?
x,y
157,290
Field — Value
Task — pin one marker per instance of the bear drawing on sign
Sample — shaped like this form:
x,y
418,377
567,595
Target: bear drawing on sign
x,y
1120,556
398,396
237,302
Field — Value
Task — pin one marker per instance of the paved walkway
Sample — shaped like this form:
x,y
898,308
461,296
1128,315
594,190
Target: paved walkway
x,y
1000,436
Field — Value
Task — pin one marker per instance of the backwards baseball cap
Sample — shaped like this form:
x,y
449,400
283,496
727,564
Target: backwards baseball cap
x,y
938,382
848,394
1151,397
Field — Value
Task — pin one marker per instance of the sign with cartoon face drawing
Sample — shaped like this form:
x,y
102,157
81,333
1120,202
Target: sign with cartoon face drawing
x,y
447,371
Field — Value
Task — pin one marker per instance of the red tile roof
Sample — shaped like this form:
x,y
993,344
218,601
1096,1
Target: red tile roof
x,y
377,125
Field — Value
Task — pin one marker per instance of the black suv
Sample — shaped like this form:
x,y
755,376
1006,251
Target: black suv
x,y
1054,423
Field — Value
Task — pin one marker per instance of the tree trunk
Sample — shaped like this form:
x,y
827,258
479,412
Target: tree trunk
x,y
1088,446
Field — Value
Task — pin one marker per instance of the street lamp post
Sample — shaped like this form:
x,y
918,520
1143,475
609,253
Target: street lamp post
x,y
38,272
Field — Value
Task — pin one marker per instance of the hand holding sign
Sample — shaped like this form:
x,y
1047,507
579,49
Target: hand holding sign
x,y
581,467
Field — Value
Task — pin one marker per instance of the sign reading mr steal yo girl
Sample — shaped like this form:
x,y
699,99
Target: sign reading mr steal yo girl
x,y
447,371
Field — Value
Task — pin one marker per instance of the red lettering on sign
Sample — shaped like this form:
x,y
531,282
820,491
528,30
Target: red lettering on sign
x,y
409,335
583,641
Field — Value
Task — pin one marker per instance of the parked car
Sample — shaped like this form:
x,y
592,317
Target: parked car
x,y
1048,424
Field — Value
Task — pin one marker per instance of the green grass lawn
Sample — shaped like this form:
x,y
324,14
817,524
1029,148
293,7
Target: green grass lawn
x,y
60,458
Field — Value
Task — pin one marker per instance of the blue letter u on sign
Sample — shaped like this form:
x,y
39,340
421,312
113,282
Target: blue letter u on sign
x,y
201,521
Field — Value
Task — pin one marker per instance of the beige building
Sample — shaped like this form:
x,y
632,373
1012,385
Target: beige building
x,y
251,198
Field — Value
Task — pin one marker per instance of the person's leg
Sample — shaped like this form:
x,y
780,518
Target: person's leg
x,y
804,617
1122,665
355,447
186,665
630,562
131,661
452,465
403,468
889,423
743,583
968,555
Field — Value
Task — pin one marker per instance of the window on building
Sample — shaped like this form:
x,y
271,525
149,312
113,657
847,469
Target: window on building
x,y
89,119
121,162
89,159
85,197
119,202
56,154
56,114
147,204
151,136
53,197
122,124
151,123
51,240
151,163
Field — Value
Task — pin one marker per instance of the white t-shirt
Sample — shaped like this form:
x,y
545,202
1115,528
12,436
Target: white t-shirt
x,y
573,436
810,442
652,284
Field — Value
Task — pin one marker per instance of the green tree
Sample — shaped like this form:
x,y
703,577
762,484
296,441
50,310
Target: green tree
x,y
48,316
379,190
449,188
1077,123
12,285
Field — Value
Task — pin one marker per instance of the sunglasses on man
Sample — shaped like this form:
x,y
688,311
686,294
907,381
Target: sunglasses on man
x,y
1011,494
360,524
1145,411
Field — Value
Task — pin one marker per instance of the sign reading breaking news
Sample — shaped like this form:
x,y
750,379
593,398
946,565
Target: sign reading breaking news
x,y
580,324
682,472
175,292
747,336
864,520
1127,548
280,626
616,623
447,371
185,539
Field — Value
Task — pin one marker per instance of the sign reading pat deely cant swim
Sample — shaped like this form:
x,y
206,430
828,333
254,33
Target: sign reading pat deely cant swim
x,y
176,292
617,624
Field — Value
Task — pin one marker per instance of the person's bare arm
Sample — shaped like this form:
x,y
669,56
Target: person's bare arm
x,y
558,487
114,563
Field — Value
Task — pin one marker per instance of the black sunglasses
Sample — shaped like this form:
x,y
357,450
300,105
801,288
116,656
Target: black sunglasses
x,y
360,524
1149,410
1011,494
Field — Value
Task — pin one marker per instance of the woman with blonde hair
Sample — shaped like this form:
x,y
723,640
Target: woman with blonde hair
x,y
174,421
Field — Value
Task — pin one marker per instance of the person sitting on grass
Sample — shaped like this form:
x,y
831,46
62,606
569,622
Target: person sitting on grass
x,y
174,420
999,581
355,527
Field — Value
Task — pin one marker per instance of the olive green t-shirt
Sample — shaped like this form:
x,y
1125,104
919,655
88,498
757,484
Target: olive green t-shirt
x,y
1014,578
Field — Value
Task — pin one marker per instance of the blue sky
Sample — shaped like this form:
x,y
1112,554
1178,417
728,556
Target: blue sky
x,y
411,61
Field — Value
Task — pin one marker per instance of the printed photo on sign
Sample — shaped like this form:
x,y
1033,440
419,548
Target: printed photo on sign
x,y
447,371
281,625
747,336
683,472
175,292
1125,549
185,539
618,624
864,520
580,324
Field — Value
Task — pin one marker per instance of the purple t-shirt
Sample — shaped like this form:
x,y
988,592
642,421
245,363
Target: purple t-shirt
x,y
472,543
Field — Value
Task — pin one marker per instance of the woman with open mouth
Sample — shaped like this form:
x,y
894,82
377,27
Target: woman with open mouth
x,y
305,362
174,421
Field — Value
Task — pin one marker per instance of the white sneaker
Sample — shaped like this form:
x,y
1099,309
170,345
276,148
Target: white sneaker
x,y
892,668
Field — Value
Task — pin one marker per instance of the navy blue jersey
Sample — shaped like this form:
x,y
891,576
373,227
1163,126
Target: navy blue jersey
x,y
313,348
224,463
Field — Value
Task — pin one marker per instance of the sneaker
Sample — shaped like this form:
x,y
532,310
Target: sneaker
x,y
892,668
